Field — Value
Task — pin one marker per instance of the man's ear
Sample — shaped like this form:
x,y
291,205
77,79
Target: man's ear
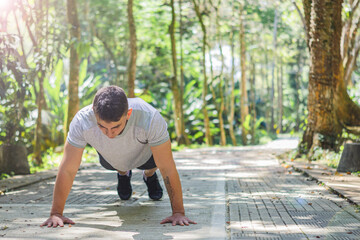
x,y
129,113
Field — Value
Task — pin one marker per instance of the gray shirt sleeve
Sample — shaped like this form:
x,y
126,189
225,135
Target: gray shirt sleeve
x,y
76,134
158,133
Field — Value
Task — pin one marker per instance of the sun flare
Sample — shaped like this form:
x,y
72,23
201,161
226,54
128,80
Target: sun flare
x,y
4,4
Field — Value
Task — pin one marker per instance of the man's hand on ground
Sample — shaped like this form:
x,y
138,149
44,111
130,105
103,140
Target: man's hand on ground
x,y
57,220
178,219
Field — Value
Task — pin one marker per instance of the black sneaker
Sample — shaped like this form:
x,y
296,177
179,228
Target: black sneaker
x,y
154,188
124,186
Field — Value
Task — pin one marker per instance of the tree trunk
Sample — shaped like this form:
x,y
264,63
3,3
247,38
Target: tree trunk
x,y
350,41
244,102
272,97
280,98
179,123
221,80
38,129
329,105
40,76
297,79
208,137
253,103
268,94
133,51
219,107
182,76
232,94
73,86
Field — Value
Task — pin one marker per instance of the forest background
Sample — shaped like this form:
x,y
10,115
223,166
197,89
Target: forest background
x,y
221,72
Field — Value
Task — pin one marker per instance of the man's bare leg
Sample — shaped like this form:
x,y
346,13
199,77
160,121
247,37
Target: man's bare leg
x,y
147,172
122,173
150,172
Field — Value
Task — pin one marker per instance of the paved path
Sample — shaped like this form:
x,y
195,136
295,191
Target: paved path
x,y
233,193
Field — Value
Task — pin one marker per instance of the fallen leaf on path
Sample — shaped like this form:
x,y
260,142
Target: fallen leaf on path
x,y
285,165
327,173
338,174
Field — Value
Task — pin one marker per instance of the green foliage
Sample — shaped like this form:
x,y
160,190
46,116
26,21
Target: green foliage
x,y
56,96
354,92
52,159
246,124
14,91
325,156
346,136
5,175
56,109
104,49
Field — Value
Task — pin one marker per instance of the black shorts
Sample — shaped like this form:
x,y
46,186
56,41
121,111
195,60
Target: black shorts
x,y
150,164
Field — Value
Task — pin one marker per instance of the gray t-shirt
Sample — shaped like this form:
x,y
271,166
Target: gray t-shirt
x,y
131,149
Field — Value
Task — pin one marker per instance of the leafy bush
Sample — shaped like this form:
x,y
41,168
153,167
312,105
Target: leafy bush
x,y
14,91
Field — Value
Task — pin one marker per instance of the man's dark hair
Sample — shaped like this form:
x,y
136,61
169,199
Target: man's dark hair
x,y
110,103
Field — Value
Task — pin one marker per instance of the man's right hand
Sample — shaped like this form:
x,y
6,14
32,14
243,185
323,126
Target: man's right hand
x,y
57,220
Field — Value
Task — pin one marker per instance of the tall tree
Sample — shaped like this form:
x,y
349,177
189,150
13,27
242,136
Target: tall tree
x,y
177,99
40,40
244,101
269,105
272,97
221,105
350,37
280,105
182,75
232,83
329,106
73,86
253,101
133,51
208,137
350,41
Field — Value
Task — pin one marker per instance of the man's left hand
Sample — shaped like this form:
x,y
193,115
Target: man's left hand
x,y
178,219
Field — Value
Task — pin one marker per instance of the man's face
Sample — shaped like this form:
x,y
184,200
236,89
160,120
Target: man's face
x,y
113,129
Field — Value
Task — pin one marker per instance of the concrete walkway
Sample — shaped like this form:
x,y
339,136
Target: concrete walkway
x,y
233,193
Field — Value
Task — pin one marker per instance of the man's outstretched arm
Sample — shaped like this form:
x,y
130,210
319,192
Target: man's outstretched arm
x,y
67,171
165,162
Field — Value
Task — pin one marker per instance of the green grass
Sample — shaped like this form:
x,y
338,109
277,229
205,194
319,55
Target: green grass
x,y
5,175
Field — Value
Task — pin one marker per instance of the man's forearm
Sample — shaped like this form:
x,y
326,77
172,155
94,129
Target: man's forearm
x,y
62,188
173,187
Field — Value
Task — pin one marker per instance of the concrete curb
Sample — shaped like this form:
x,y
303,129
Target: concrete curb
x,y
343,184
18,181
